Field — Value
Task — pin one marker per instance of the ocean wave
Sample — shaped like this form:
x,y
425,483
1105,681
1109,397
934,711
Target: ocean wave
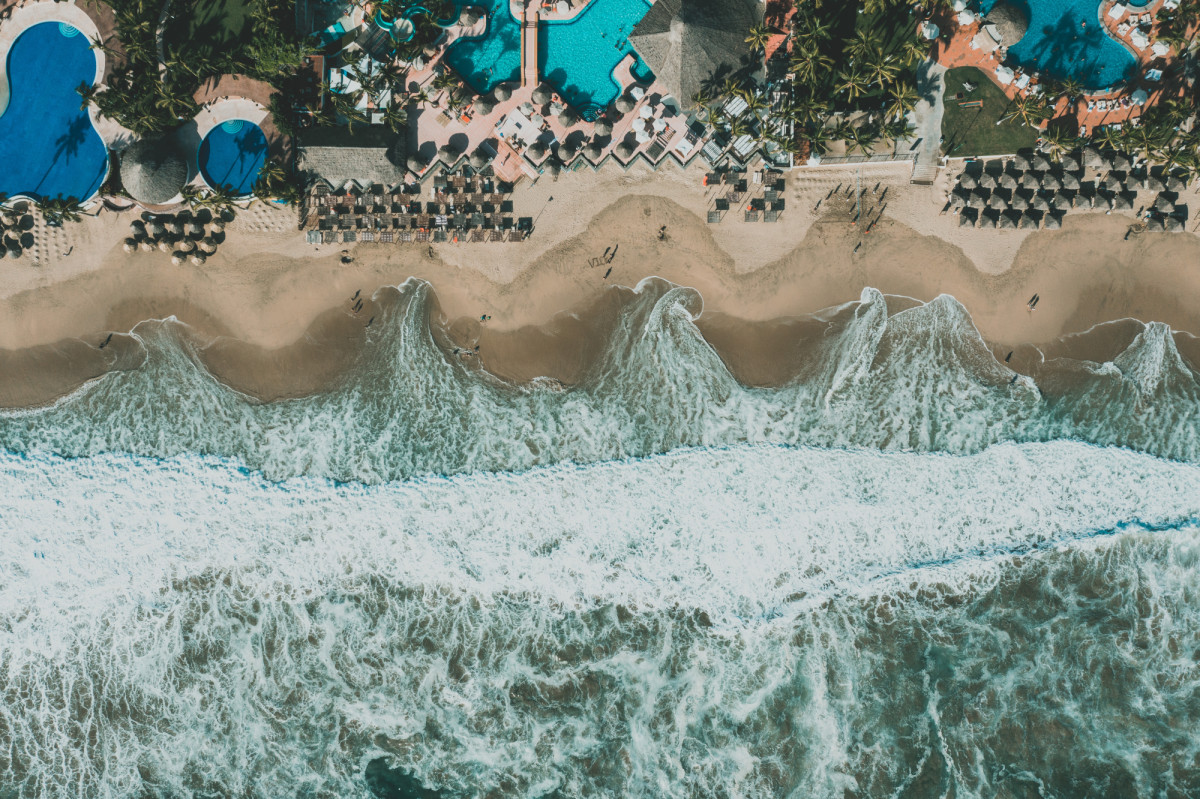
x,y
920,379
758,621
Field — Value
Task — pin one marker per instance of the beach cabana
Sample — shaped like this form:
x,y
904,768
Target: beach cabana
x,y
686,43
153,171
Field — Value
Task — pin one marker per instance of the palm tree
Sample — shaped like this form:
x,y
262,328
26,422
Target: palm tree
x,y
57,210
808,63
87,93
854,81
914,50
1028,110
1059,141
841,130
395,117
881,68
903,100
861,137
863,44
758,38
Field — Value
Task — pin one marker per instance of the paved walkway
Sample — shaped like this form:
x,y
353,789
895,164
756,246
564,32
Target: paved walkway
x,y
927,115
529,46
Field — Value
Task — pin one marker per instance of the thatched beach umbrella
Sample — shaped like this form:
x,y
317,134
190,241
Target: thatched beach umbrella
x,y
1007,222
137,227
966,220
1102,201
567,118
624,104
1051,182
469,17
1132,184
1082,201
1070,163
198,258
987,220
1020,163
1176,184
1039,162
186,245
1040,203
447,154
567,152
217,226
1027,222
164,245
602,127
155,229
152,171
1163,204
987,181
536,151
1070,181
541,95
1052,222
1020,202
1154,184
1030,181
484,106
978,199
478,160
624,151
997,202
967,180
130,245
195,230
1007,181
1062,202
207,245
177,258
1155,225
592,152
502,93
1122,202
1113,183
1010,22
1174,224
1120,162
415,165
958,198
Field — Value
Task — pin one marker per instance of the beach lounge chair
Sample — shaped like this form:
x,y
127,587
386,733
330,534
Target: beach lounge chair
x,y
387,237
714,217
752,216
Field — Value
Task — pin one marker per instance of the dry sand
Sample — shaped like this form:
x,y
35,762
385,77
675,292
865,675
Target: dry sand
x,y
272,313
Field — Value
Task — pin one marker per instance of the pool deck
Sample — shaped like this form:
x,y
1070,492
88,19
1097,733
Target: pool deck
x,y
959,53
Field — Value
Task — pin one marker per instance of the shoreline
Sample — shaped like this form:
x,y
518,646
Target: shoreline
x,y
269,314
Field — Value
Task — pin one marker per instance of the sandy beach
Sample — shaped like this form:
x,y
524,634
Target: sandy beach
x,y
272,315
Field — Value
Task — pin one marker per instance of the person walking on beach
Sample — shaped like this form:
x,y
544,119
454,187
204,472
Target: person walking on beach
x,y
614,254
606,249
609,272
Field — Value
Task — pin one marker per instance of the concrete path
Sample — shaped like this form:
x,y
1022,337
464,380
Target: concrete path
x,y
926,117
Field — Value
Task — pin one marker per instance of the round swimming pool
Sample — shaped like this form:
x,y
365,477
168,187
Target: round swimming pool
x,y
231,156
48,147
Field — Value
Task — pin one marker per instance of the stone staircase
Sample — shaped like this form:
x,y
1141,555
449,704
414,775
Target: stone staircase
x,y
924,174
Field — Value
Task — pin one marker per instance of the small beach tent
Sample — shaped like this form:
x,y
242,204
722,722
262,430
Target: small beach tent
x,y
1009,20
1139,97
1117,10
688,43
153,171
1005,75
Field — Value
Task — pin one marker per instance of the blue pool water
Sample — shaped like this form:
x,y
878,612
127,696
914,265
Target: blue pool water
x,y
1066,40
577,57
232,154
48,147
495,57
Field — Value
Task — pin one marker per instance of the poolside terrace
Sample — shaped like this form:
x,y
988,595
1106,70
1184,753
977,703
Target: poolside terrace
x,y
1133,28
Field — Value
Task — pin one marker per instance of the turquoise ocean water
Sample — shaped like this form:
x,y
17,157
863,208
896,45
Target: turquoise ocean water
x,y
905,574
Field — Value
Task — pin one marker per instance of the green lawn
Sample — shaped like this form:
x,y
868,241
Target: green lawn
x,y
973,131
208,28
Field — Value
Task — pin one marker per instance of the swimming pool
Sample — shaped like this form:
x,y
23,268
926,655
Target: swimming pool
x,y
48,147
231,155
1067,40
578,56
495,57
575,56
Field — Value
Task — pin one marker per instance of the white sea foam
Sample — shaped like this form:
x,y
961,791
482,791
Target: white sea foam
x,y
185,626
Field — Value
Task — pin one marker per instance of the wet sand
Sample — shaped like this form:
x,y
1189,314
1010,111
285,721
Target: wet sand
x,y
272,316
